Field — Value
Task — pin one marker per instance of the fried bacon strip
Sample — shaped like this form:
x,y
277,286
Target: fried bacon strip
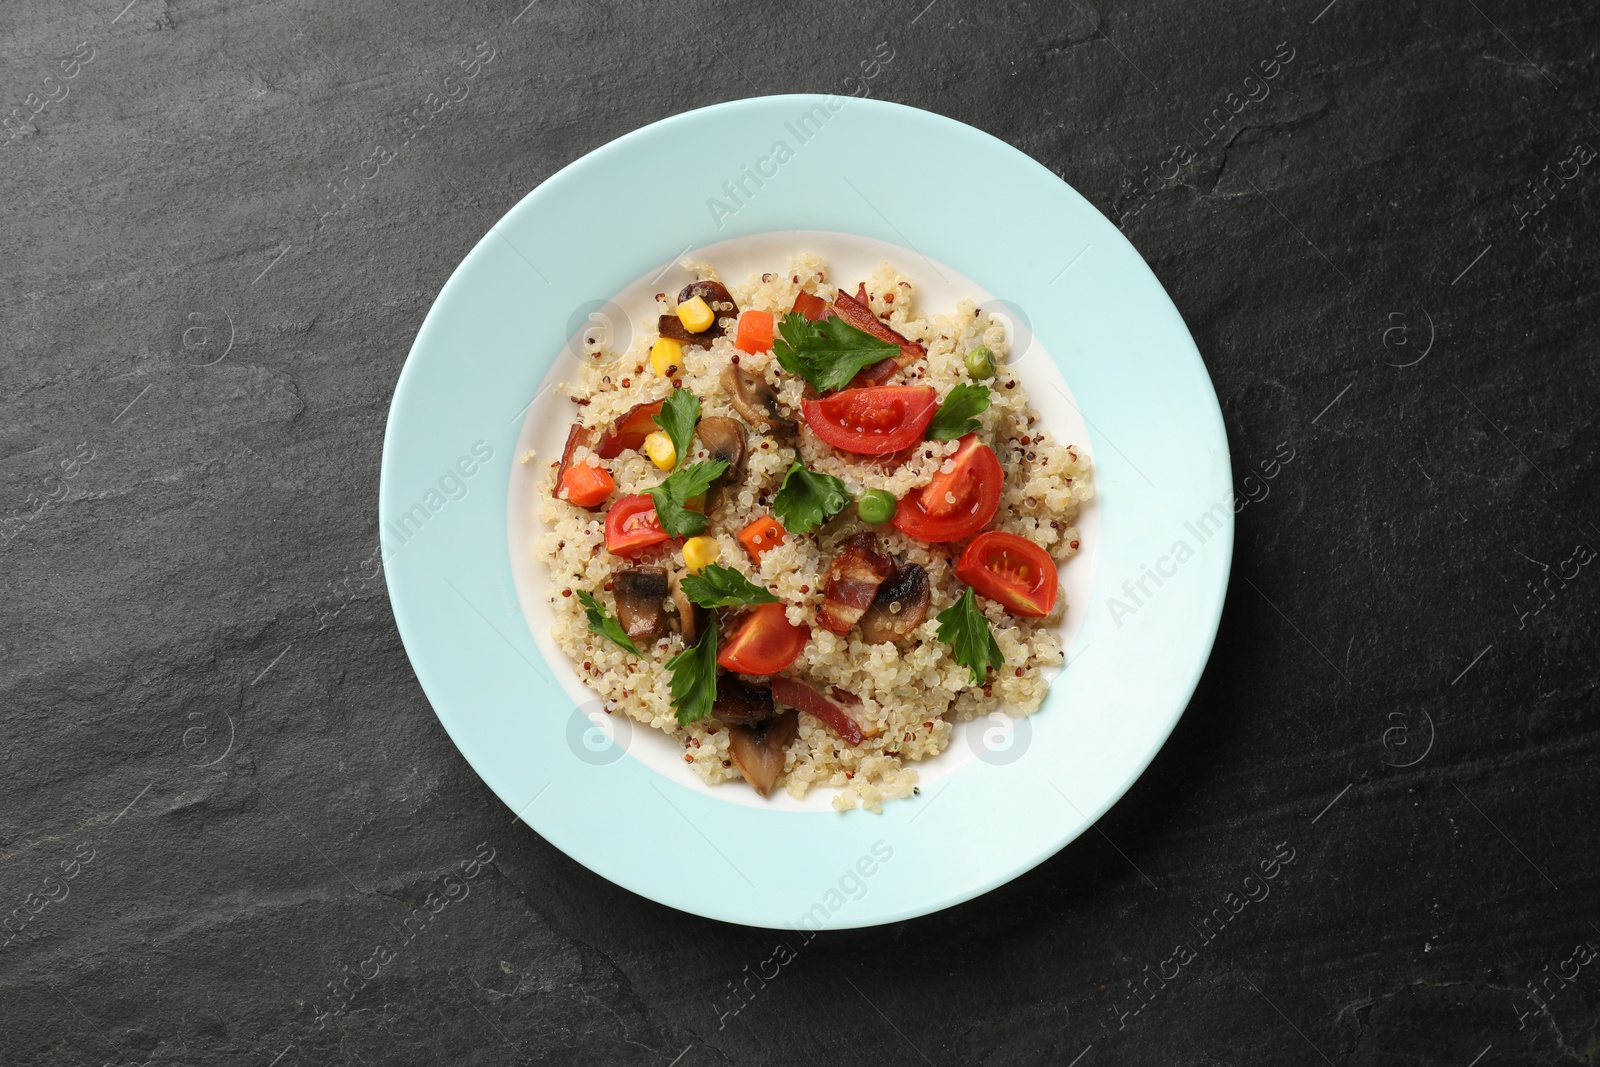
x,y
797,694
855,311
852,583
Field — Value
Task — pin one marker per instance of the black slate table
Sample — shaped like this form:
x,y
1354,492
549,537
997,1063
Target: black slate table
x,y
223,789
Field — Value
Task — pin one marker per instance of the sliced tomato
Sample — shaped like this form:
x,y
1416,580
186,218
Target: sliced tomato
x,y
958,504
1011,570
630,430
765,642
873,421
812,307
755,332
632,525
587,486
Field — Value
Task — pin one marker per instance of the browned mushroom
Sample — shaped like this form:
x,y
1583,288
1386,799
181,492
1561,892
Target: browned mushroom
x,y
739,703
900,606
757,401
641,596
758,750
692,618
716,295
853,579
724,439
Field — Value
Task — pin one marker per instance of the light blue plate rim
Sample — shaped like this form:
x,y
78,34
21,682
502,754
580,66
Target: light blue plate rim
x,y
943,190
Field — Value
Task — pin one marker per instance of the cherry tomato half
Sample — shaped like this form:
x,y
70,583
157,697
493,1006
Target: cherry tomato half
x,y
632,526
958,504
875,420
1011,570
765,642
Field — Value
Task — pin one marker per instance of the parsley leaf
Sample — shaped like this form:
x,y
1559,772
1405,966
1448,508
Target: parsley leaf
x,y
955,416
603,624
679,413
672,495
965,629
827,353
807,499
717,586
694,678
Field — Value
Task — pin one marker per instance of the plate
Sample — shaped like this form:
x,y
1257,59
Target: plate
x,y
622,317
736,181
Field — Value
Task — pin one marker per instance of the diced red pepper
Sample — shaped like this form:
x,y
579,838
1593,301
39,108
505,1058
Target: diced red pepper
x,y
587,486
763,534
755,332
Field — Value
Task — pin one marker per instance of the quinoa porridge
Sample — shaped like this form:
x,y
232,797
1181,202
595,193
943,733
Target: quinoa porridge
x,y
805,530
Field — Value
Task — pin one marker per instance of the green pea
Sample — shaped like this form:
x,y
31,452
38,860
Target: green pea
x,y
876,506
980,363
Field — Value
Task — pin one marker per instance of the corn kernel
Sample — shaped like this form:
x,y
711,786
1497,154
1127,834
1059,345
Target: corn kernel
x,y
700,551
696,315
666,356
658,446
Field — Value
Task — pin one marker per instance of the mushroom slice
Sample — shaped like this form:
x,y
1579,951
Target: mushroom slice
x,y
641,593
900,606
853,579
739,703
724,439
692,618
716,295
758,750
757,401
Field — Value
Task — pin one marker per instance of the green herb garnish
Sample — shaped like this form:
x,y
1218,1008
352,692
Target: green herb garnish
x,y
678,415
955,416
717,586
807,499
601,622
694,678
672,495
965,629
827,353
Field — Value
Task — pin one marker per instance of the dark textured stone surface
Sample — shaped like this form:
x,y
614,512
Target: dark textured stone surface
x,y
205,696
